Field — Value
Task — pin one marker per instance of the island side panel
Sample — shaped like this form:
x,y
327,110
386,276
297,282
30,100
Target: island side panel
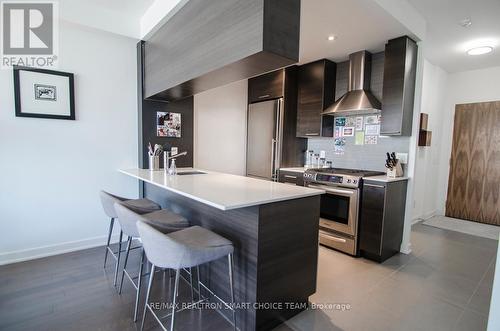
x,y
287,257
241,227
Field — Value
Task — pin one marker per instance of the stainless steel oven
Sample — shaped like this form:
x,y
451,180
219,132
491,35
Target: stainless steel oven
x,y
339,217
339,211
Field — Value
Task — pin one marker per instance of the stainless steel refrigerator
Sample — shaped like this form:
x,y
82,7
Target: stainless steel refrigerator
x,y
264,139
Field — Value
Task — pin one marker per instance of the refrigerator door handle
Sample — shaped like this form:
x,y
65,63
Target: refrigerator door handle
x,y
278,139
273,159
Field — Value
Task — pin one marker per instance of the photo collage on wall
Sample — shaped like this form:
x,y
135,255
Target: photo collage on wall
x,y
365,129
168,124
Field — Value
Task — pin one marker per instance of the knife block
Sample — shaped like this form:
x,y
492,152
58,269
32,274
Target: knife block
x,y
396,171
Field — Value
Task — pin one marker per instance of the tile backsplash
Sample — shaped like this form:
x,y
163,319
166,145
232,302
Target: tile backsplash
x,y
367,157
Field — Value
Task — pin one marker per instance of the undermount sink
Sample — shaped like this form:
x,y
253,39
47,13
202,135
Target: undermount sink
x,y
194,172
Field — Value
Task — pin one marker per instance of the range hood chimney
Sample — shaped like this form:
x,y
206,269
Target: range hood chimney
x,y
358,99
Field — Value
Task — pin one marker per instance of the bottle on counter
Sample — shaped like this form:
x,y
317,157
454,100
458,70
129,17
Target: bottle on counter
x,y
309,159
316,161
172,170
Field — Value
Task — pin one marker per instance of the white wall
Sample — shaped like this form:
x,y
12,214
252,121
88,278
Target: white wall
x,y
52,170
464,87
434,89
220,117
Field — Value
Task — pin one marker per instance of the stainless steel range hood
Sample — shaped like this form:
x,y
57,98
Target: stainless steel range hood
x,y
358,99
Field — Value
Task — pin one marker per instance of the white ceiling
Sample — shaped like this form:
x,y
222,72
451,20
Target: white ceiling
x,y
357,24
117,16
130,8
447,41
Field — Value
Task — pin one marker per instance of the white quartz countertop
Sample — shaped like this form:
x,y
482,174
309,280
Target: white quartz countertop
x,y
223,191
385,179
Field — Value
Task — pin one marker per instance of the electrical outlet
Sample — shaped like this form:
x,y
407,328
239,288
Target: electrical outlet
x,y
174,150
402,157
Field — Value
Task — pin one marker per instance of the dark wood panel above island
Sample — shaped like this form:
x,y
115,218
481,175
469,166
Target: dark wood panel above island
x,y
203,47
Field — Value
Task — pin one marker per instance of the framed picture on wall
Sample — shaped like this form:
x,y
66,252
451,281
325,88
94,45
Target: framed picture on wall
x,y
168,124
44,93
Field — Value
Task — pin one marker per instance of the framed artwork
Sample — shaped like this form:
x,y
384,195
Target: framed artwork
x,y
44,93
168,124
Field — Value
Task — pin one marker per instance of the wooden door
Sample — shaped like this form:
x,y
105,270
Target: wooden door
x,y
474,181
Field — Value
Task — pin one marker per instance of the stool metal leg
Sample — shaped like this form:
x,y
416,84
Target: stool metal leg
x,y
148,292
118,259
139,282
129,243
191,283
230,261
198,278
174,301
111,223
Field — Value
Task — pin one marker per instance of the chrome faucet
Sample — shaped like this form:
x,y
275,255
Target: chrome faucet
x,y
167,157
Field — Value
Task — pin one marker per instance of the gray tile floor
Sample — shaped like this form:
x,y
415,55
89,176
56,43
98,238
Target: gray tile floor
x,y
445,284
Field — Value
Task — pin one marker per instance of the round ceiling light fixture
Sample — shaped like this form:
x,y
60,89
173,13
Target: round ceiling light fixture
x,y
466,22
480,50
332,37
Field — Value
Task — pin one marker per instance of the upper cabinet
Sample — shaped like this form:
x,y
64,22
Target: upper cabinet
x,y
316,91
266,87
399,87
207,44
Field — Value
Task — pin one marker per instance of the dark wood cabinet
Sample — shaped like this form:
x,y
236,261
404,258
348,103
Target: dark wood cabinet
x,y
266,87
291,177
382,219
316,91
400,69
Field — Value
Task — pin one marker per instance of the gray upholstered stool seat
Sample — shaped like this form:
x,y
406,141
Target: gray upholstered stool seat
x,y
182,249
185,248
140,206
163,220
108,201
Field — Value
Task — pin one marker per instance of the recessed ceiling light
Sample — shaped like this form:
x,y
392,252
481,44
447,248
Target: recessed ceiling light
x,y
466,22
480,50
332,38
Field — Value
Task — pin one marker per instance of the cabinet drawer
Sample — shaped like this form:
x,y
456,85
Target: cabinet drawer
x,y
266,87
293,178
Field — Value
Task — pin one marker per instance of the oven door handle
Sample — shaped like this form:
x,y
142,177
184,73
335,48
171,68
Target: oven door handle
x,y
333,190
334,238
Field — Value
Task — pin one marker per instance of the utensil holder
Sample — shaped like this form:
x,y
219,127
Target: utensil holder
x,y
396,171
154,163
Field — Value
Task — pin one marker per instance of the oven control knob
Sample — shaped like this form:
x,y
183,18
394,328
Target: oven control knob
x,y
354,181
348,180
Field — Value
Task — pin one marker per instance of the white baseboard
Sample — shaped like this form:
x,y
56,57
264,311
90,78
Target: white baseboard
x,y
429,215
406,250
44,251
424,217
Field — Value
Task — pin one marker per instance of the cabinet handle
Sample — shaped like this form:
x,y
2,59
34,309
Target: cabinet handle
x,y
264,96
371,185
312,134
291,177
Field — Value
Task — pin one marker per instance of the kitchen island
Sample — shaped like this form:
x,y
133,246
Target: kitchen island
x,y
273,226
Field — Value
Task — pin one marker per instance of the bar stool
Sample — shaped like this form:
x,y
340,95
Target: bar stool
x,y
141,206
186,248
163,220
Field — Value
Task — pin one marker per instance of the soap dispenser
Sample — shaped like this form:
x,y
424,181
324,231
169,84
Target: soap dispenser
x,y
172,170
